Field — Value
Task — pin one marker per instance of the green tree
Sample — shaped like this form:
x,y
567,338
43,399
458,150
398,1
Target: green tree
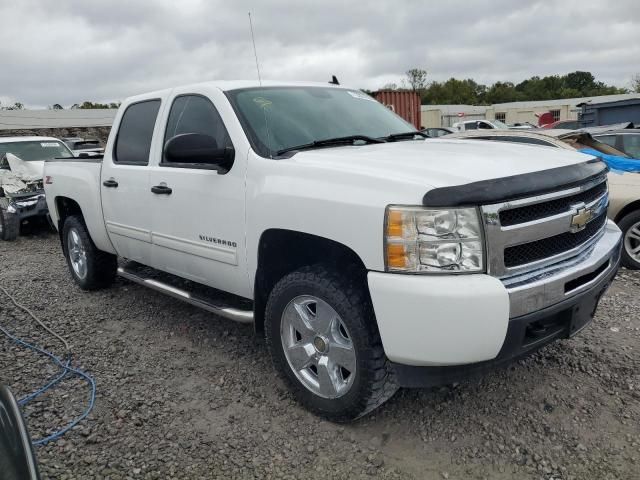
x,y
417,79
635,83
15,106
95,105
571,85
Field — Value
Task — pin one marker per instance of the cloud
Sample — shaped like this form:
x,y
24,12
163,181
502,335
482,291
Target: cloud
x,y
69,51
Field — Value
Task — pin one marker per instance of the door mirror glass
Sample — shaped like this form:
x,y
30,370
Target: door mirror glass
x,y
198,148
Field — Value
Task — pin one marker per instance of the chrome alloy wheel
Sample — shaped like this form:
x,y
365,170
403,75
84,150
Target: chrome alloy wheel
x,y
632,242
318,347
77,254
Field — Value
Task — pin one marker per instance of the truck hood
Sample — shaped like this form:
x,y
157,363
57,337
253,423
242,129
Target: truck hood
x,y
438,163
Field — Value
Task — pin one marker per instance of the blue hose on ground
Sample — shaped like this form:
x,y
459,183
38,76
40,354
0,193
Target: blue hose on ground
x,y
66,369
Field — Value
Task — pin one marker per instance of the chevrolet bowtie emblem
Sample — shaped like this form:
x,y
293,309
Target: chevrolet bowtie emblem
x,y
581,218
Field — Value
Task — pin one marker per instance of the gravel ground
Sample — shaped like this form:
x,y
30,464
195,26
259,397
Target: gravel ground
x,y
182,394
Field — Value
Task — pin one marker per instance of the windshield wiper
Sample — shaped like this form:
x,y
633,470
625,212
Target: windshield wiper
x,y
405,135
349,140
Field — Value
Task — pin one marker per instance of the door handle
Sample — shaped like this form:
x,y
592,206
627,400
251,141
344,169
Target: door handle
x,y
161,190
111,183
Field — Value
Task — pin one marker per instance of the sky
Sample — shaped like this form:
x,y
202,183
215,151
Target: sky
x,y
69,51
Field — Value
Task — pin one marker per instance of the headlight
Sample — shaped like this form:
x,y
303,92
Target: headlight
x,y
426,240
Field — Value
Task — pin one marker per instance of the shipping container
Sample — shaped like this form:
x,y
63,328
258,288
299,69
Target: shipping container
x,y
406,104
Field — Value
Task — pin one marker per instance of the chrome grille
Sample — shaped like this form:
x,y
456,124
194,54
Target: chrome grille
x,y
549,247
531,233
552,207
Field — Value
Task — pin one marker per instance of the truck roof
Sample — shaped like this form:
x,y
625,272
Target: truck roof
x,y
27,139
226,85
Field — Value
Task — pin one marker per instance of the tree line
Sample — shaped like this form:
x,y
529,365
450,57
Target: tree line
x,y
468,91
57,106
465,91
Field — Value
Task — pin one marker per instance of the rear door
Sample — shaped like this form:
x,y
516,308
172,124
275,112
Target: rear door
x,y
198,212
125,181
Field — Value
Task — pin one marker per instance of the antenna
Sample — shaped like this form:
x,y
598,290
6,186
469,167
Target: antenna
x,y
264,108
255,52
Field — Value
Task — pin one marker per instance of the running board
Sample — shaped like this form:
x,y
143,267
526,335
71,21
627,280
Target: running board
x,y
235,314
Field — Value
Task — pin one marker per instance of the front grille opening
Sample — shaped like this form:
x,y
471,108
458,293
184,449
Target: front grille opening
x,y
549,247
550,208
578,282
542,329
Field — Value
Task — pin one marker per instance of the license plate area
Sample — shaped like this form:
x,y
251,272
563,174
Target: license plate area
x,y
583,312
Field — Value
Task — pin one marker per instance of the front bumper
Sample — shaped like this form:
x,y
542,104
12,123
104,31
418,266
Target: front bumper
x,y
28,205
437,322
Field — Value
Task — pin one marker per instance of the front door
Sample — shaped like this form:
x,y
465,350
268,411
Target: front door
x,y
124,183
198,211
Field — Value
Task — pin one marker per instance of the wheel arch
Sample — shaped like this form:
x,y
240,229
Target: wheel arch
x,y
282,251
92,217
626,210
65,207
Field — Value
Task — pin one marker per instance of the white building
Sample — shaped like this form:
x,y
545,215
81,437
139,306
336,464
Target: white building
x,y
512,112
30,119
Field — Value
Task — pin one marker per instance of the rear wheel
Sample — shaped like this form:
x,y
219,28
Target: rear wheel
x,y
90,268
323,340
630,226
9,221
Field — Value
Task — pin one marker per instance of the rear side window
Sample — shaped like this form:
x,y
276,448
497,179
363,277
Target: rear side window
x,y
528,140
196,114
631,144
134,136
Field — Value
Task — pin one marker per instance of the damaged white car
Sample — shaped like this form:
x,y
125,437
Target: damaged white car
x,y
21,183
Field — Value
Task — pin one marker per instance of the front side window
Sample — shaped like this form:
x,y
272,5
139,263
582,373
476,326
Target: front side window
x,y
527,140
631,145
608,139
35,150
196,114
277,118
133,142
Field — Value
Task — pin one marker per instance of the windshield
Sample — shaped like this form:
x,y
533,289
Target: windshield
x,y
277,118
35,150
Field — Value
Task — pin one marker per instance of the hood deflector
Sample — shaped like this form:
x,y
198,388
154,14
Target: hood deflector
x,y
502,189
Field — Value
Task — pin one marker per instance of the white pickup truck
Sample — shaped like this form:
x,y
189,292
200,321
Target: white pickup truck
x,y
368,256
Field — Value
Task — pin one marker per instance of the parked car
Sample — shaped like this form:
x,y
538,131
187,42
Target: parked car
x,y
436,132
480,125
279,195
21,187
522,126
624,206
626,140
563,125
80,146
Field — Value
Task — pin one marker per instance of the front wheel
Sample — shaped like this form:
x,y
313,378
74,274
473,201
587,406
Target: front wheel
x,y
90,268
324,342
630,226
9,221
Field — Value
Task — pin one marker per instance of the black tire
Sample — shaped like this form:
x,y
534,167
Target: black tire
x,y
9,222
630,225
374,381
101,266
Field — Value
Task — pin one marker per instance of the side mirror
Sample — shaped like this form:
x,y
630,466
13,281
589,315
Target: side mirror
x,y
197,148
17,461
